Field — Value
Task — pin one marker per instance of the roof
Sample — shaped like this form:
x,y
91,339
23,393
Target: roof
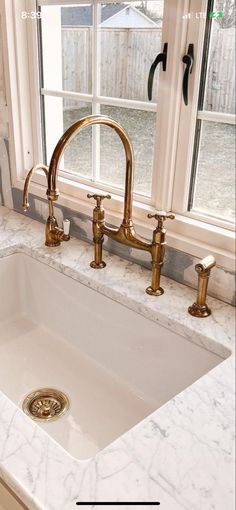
x,y
82,14
129,17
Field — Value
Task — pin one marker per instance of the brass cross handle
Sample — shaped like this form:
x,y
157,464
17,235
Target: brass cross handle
x,y
161,216
98,198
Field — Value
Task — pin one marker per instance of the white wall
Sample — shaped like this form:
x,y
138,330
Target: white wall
x,y
3,120
5,179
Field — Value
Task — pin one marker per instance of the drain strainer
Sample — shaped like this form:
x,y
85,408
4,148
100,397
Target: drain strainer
x,y
45,404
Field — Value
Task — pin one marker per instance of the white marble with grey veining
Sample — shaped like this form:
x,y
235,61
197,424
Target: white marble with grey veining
x,y
182,455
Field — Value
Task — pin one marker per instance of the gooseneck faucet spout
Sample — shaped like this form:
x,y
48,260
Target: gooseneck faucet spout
x,y
25,203
64,141
125,234
53,234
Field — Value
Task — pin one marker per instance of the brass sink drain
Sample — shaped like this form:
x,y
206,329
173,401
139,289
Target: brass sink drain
x,y
45,404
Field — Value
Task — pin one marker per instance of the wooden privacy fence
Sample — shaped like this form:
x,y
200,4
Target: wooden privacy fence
x,y
220,93
77,59
126,57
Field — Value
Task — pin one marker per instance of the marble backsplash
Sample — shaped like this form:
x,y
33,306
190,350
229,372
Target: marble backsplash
x,y
178,265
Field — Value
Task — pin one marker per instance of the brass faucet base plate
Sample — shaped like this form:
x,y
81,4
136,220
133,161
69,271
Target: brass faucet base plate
x,y
199,310
52,245
45,404
152,292
94,265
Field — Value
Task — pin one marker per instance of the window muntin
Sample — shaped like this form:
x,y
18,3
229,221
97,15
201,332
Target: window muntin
x,y
212,190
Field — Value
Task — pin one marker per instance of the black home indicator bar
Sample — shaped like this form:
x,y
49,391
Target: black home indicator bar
x,y
118,503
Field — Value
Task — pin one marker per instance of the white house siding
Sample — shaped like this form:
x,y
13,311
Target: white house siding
x,y
128,18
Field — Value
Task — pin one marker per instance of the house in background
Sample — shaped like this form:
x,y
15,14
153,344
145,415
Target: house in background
x,y
112,16
128,17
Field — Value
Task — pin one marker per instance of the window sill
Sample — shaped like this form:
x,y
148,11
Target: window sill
x,y
185,234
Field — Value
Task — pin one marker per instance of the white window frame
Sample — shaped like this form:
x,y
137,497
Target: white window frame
x,y
187,126
95,100
187,233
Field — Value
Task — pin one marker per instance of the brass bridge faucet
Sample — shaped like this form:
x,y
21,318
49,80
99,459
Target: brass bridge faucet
x,y
125,234
53,234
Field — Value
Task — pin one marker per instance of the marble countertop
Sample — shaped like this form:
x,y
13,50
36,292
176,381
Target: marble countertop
x,y
181,455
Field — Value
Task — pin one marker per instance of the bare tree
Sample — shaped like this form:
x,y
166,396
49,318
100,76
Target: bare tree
x,y
143,7
227,7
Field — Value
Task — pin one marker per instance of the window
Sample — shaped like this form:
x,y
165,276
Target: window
x,y
205,170
95,60
91,58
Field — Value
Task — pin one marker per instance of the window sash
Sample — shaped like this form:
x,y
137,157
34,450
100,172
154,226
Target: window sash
x,y
163,174
190,123
188,117
96,100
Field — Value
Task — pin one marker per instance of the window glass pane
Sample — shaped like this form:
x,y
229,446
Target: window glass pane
x,y
67,47
220,83
140,126
215,178
78,155
59,115
130,39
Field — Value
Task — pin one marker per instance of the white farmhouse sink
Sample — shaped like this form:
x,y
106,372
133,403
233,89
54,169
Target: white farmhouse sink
x,y
115,366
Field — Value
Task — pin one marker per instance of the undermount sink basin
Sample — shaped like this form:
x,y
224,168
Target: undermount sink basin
x,y
115,366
